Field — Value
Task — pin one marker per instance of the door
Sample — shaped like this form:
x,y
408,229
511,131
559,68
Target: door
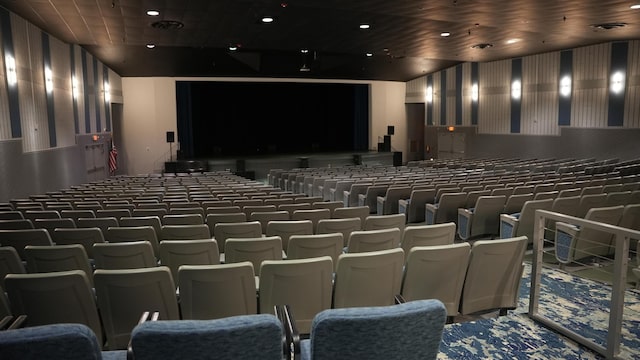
x,y
451,145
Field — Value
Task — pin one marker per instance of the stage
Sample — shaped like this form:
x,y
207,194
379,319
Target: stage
x,y
257,167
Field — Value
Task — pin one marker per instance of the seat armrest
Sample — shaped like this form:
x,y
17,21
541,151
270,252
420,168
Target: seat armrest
x,y
291,340
567,228
465,212
399,299
146,316
432,207
507,218
11,322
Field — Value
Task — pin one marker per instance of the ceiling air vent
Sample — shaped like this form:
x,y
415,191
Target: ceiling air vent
x,y
482,46
608,26
167,25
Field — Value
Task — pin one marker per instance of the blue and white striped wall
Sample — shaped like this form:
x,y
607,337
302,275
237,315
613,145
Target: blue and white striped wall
x,y
540,109
54,92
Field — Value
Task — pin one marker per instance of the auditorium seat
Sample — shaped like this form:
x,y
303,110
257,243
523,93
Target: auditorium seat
x,y
373,240
446,210
343,226
217,291
123,295
175,253
413,207
118,234
124,255
481,220
18,239
575,243
52,258
83,236
522,223
239,337
427,235
287,228
424,274
411,330
253,249
368,278
55,298
493,276
305,285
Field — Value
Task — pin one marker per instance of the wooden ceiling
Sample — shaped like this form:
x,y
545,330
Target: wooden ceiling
x,y
404,38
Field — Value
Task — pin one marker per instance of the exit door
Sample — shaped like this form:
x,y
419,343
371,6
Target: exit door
x,y
451,145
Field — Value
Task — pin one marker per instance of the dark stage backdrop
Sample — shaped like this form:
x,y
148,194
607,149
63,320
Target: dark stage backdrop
x,y
260,118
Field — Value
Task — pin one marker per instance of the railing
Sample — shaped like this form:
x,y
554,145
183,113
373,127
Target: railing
x,y
621,243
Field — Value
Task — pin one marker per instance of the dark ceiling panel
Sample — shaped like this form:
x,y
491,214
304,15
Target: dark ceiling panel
x,y
404,37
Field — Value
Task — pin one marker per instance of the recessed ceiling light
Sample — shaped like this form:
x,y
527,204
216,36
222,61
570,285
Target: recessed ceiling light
x,y
635,6
445,34
233,48
369,54
153,12
151,46
512,41
267,19
304,51
364,26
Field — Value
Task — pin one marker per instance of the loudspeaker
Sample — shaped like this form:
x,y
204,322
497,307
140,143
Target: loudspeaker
x,y
390,130
397,158
170,137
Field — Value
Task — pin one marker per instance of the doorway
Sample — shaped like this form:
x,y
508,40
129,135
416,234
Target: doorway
x,y
451,145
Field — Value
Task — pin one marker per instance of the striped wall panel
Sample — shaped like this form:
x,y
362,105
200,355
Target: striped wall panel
x,y
98,85
30,70
450,118
89,95
437,94
494,108
5,119
466,94
115,81
540,94
63,99
80,98
632,101
416,90
590,78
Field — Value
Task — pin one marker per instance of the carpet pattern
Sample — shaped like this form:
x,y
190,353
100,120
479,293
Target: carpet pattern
x,y
579,304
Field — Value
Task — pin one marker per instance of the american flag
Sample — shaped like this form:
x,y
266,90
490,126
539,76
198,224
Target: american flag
x,y
113,159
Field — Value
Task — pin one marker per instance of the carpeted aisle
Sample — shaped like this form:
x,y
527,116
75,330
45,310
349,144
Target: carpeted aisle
x,y
581,304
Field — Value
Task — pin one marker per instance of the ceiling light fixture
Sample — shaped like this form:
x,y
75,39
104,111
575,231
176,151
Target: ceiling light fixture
x,y
512,41
233,48
304,51
634,7
365,26
267,19
153,12
445,34
151,46
482,46
369,54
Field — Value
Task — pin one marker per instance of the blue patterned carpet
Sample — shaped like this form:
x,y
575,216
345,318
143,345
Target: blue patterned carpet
x,y
579,304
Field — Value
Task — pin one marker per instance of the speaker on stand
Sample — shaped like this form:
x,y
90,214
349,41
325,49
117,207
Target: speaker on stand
x,y
171,139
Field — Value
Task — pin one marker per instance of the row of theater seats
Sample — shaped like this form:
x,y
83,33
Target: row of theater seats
x,y
475,283
407,330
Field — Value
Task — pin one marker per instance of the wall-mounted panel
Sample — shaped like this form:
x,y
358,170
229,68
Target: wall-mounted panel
x,y
494,102
5,117
591,74
27,41
540,94
632,101
416,90
115,82
466,94
80,89
63,97
90,90
451,114
437,96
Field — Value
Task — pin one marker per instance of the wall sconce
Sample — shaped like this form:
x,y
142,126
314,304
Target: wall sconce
x,y
95,137
617,82
12,76
474,92
74,86
451,128
565,86
429,94
107,92
516,89
48,80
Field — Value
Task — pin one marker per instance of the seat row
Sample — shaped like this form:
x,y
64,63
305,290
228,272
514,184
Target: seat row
x,y
396,331
479,278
